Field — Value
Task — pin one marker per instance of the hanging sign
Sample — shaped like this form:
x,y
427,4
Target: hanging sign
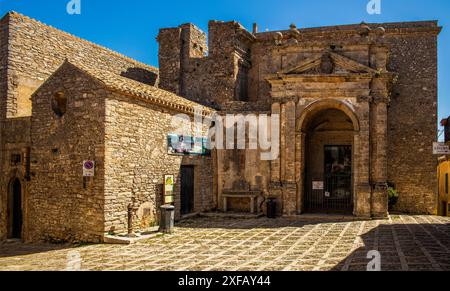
x,y
88,169
169,185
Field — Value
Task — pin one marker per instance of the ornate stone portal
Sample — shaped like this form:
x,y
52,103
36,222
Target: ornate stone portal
x,y
317,86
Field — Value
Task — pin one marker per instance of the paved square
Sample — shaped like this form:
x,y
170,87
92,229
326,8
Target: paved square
x,y
307,243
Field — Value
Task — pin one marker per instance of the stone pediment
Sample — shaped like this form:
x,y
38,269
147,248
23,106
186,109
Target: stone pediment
x,y
328,63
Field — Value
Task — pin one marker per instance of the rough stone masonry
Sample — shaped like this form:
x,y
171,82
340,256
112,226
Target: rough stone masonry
x,y
358,109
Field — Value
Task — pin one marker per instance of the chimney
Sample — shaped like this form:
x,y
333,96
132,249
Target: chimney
x,y
255,28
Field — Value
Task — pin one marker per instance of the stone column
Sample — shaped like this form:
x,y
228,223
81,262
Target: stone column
x,y
290,142
300,139
283,122
275,164
362,161
275,189
288,147
379,161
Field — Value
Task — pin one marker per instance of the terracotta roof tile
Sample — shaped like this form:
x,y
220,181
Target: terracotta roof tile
x,y
140,90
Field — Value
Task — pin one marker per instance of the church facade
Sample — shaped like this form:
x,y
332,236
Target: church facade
x,y
357,110
357,105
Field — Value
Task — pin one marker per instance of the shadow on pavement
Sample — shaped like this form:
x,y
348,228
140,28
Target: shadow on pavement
x,y
403,247
16,248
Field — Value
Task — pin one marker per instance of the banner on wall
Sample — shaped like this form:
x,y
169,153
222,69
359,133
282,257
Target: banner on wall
x,y
187,145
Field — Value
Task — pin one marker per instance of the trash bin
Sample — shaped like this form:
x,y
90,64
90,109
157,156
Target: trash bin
x,y
167,219
271,208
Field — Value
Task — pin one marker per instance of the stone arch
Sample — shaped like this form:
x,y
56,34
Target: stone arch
x,y
310,111
306,175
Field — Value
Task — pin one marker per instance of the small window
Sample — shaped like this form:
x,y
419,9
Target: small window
x,y
59,104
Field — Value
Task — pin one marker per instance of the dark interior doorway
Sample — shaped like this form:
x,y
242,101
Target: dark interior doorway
x,y
444,208
338,178
333,194
15,210
187,190
329,162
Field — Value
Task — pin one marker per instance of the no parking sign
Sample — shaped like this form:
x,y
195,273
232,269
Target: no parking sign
x,y
88,169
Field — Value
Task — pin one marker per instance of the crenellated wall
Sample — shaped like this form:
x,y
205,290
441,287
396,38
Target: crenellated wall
x,y
210,75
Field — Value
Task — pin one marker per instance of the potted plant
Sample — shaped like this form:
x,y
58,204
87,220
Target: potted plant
x,y
393,197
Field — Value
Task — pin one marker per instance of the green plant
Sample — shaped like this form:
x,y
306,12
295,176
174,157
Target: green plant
x,y
393,196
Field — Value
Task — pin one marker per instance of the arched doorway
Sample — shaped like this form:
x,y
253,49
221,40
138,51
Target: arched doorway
x,y
329,160
15,214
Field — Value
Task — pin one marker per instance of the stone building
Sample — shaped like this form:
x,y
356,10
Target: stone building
x,y
358,107
443,172
97,106
444,184
345,97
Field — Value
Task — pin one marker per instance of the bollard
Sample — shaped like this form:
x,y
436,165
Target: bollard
x,y
271,208
130,221
167,219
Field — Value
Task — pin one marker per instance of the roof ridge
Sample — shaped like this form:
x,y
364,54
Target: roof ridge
x,y
351,26
77,38
102,77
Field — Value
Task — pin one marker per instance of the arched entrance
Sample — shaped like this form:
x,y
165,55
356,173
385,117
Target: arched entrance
x,y
329,130
15,213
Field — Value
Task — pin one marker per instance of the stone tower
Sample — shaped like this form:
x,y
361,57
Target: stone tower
x,y
212,74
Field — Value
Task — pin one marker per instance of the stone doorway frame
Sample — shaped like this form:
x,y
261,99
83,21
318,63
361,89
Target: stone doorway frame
x,y
10,207
309,113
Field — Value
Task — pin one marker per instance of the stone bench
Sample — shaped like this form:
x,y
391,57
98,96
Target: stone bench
x,y
252,195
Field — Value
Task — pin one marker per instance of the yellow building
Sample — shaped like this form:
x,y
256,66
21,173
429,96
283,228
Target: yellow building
x,y
443,178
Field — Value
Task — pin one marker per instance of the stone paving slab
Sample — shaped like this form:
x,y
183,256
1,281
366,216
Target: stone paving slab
x,y
406,243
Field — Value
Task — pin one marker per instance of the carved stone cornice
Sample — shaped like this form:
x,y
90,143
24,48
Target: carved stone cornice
x,y
284,100
380,186
362,99
377,99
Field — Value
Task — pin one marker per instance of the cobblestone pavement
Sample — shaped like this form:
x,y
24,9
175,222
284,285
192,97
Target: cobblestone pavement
x,y
405,243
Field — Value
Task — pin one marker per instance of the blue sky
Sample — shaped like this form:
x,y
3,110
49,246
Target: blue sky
x,y
131,26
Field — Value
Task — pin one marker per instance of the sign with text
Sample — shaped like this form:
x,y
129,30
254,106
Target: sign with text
x,y
440,148
169,185
318,185
88,169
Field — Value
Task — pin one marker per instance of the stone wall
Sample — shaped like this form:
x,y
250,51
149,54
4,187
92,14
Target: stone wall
x,y
62,205
16,142
136,161
211,79
36,50
3,91
412,121
126,136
